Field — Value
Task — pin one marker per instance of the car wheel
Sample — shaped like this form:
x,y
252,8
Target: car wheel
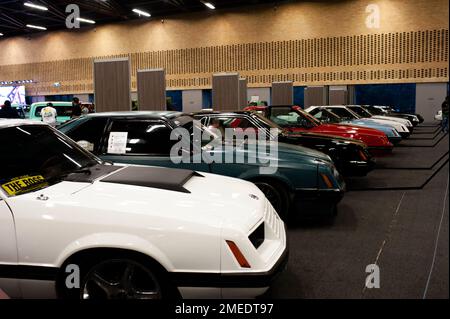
x,y
120,279
277,196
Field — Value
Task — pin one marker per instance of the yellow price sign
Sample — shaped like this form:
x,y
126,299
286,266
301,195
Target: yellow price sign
x,y
24,184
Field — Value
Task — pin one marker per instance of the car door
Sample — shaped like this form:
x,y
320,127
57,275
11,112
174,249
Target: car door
x,y
231,124
147,142
8,250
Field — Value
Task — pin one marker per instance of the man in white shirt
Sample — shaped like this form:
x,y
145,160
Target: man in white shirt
x,y
49,114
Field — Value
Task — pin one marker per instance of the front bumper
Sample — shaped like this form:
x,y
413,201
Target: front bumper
x,y
380,150
405,134
232,280
313,203
395,139
358,168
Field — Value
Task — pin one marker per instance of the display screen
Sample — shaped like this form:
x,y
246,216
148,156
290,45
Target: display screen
x,y
16,94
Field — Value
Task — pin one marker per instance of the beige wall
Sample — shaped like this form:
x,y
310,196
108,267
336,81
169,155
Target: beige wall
x,y
310,43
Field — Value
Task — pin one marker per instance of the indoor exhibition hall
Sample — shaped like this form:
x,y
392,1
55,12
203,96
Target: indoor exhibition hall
x,y
249,151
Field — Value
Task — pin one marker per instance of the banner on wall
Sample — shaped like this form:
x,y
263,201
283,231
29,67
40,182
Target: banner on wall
x,y
16,94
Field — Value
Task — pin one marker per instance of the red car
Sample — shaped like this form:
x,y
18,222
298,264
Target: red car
x,y
294,119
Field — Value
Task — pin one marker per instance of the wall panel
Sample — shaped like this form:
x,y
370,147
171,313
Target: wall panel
x,y
225,92
282,93
151,90
112,85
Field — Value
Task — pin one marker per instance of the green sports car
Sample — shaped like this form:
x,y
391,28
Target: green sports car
x,y
304,182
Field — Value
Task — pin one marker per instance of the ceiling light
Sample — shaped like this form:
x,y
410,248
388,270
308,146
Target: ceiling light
x,y
208,4
1,34
85,20
35,6
142,13
36,27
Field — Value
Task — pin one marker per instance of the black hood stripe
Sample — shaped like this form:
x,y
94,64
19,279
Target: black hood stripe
x,y
154,177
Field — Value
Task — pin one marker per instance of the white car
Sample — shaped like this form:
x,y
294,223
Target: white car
x,y
358,109
73,226
347,114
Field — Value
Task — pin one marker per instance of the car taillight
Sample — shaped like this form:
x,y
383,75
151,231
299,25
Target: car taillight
x,y
238,254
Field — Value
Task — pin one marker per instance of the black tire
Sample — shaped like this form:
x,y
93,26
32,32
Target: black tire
x,y
278,196
109,272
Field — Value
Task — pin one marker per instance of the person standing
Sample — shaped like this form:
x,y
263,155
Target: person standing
x,y
445,115
76,108
7,112
49,115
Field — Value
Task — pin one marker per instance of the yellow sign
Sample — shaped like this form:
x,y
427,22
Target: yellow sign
x,y
24,184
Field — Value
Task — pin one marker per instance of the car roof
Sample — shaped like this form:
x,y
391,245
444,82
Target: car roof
x,y
16,122
146,114
211,112
55,103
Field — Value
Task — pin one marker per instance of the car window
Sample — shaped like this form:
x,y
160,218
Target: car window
x,y
360,111
376,111
291,118
61,110
143,137
343,113
35,156
88,134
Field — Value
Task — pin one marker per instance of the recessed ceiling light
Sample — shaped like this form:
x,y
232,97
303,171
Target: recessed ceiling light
x,y
141,13
36,27
85,20
208,4
1,34
35,6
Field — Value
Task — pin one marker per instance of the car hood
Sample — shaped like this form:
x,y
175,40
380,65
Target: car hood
x,y
393,119
387,129
352,129
397,125
327,137
209,200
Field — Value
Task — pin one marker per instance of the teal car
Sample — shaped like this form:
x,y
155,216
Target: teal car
x,y
305,181
63,109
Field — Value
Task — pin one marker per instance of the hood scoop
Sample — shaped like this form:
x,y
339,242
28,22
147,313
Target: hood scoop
x,y
154,177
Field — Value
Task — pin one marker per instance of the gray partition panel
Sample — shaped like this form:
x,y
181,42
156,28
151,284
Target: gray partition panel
x,y
151,85
282,93
243,93
315,95
338,97
225,92
112,85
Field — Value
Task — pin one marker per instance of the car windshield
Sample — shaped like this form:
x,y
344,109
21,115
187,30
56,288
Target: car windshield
x,y
360,111
61,110
189,123
344,113
377,111
325,116
36,156
290,117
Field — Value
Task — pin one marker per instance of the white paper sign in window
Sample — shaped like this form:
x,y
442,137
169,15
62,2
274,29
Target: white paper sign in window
x,y
117,143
